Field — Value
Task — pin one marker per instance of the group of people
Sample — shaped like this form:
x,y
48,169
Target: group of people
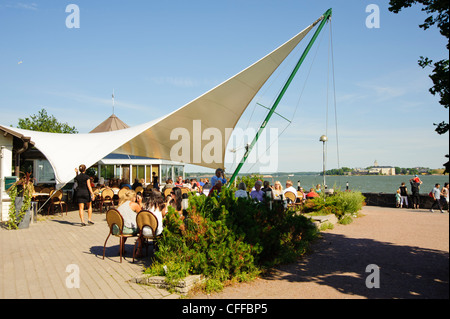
x,y
263,191
439,195
130,204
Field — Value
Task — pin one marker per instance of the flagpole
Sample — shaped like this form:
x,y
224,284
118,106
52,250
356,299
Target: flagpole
x,y
113,100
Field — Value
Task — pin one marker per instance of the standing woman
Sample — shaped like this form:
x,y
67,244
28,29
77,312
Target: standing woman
x,y
84,194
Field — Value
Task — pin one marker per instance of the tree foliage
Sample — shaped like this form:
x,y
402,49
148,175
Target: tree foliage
x,y
43,122
438,11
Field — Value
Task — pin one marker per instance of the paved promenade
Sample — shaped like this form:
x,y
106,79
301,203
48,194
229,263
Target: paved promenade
x,y
410,247
38,261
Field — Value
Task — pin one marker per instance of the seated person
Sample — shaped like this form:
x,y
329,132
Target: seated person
x,y
129,205
277,189
312,193
318,188
136,184
206,188
125,183
242,191
267,191
157,206
179,182
169,184
175,200
194,185
290,188
216,188
257,193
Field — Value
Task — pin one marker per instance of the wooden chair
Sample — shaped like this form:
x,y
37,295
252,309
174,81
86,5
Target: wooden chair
x,y
167,192
97,199
122,191
114,218
146,218
42,199
292,199
185,190
107,198
56,200
139,189
300,199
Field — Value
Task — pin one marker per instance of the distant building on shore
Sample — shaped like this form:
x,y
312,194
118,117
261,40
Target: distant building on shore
x,y
381,170
375,170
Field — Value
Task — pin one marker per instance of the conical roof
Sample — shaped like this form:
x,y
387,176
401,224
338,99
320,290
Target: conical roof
x,y
112,123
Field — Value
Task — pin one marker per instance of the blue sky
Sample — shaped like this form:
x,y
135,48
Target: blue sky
x,y
159,55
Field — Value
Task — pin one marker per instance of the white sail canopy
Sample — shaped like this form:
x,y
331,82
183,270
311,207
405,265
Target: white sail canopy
x,y
196,133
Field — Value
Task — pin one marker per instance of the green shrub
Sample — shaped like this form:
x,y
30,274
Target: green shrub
x,y
249,180
339,204
229,239
349,202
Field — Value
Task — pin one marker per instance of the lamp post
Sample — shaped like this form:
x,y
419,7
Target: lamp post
x,y
323,139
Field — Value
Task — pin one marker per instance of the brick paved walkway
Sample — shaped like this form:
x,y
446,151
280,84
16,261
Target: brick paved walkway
x,y
33,262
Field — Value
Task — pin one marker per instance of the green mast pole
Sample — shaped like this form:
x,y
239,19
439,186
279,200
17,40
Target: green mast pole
x,y
325,18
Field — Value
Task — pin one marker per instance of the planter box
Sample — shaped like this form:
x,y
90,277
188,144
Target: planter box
x,y
25,223
182,287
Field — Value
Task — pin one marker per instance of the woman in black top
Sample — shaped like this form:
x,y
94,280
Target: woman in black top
x,y
84,194
404,195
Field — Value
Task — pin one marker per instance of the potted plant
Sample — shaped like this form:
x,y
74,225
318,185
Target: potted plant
x,y
21,194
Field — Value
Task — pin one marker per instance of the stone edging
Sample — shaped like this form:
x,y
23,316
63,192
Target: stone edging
x,y
182,287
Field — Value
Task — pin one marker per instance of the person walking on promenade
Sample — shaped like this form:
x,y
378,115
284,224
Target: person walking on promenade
x,y
404,195
415,188
444,194
436,192
84,194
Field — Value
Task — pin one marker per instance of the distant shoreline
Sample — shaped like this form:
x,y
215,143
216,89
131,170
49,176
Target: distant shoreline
x,y
203,174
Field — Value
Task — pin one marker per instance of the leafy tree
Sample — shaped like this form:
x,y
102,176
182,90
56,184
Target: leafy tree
x,y
43,122
438,11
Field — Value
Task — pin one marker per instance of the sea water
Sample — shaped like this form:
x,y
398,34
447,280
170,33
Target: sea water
x,y
364,183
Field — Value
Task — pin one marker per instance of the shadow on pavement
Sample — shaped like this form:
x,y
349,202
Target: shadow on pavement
x,y
404,271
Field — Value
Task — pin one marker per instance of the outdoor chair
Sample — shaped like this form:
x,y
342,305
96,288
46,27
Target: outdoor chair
x,y
42,199
97,199
121,192
167,192
56,200
290,196
115,224
139,189
185,190
146,218
107,199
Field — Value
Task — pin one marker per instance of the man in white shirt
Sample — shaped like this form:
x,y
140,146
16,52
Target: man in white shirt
x,y
436,192
289,188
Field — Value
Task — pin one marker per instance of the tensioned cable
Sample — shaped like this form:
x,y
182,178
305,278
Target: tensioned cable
x,y
334,92
271,83
297,105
